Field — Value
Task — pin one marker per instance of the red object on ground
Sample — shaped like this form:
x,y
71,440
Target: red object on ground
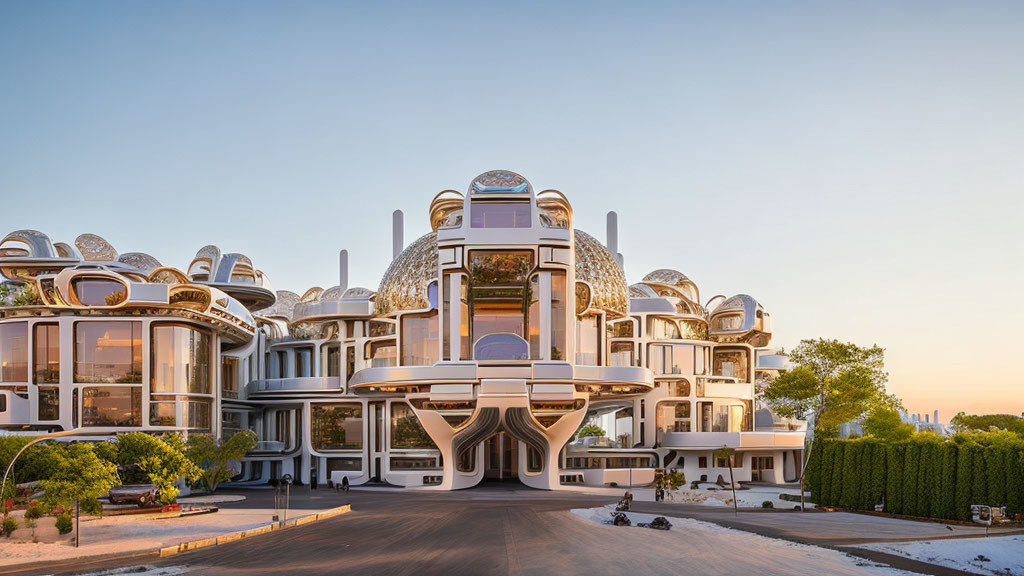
x,y
171,508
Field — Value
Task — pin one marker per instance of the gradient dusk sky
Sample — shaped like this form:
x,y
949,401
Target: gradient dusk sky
x,y
857,167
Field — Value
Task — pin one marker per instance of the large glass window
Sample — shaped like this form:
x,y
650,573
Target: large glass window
x,y
446,333
500,215
406,430
671,358
533,321
108,352
99,291
181,360
14,352
419,339
303,361
731,362
498,294
112,406
588,341
163,411
47,353
337,426
558,308
673,417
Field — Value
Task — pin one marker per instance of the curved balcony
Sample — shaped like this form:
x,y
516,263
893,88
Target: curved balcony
x,y
470,372
291,385
723,387
326,309
712,440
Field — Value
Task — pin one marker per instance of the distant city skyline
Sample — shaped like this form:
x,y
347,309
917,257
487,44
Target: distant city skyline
x,y
871,150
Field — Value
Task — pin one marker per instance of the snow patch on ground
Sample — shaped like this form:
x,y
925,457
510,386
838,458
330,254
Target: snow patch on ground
x,y
803,553
996,555
141,571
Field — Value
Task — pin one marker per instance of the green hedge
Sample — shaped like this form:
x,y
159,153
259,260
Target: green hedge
x,y
925,476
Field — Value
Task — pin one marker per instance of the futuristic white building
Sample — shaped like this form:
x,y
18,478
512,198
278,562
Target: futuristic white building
x,y
490,341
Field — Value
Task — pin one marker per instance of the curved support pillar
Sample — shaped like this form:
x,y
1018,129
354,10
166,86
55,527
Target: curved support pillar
x,y
557,435
444,437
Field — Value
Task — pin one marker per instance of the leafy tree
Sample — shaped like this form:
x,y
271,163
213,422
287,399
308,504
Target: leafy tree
x,y
965,423
832,382
36,463
591,430
214,457
144,458
79,475
885,423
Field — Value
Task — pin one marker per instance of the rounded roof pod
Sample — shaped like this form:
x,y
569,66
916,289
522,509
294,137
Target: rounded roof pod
x,y
500,181
641,291
27,244
358,293
140,261
65,250
312,295
332,293
404,285
168,275
555,210
668,282
741,318
596,266
95,249
444,207
204,265
283,305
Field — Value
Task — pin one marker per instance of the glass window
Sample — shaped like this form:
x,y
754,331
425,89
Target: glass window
x,y
622,329
621,354
662,329
303,361
332,353
673,417
49,403
533,321
558,315
337,426
382,353
415,463
679,388
499,215
406,430
343,465
446,332
230,422
181,360
197,413
350,363
47,353
14,352
99,291
498,293
464,319
163,411
419,339
108,352
229,377
731,362
112,406
588,341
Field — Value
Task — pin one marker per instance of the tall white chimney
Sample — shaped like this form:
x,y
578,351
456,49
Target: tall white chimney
x,y
612,233
397,233
343,270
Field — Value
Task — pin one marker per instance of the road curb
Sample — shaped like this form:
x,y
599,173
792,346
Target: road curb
x,y
242,534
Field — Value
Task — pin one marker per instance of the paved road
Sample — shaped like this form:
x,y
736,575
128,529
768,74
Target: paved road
x,y
509,531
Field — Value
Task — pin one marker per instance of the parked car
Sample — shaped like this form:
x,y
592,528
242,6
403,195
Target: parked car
x,y
141,494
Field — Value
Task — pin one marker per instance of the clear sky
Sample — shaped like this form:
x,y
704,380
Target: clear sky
x,y
857,167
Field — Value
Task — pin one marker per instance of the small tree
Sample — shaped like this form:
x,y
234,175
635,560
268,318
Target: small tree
x,y
591,430
833,382
79,475
727,453
214,457
885,423
145,458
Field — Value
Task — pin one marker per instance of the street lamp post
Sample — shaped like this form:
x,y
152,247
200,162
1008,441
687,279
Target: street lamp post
x,y
34,440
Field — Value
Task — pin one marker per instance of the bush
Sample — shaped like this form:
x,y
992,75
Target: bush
x,y
767,504
10,524
144,458
36,510
92,507
64,523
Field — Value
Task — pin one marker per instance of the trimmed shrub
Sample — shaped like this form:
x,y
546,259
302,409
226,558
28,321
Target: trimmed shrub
x,y
64,523
767,504
894,479
10,524
36,510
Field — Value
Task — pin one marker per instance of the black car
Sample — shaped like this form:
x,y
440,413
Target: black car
x,y
141,494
